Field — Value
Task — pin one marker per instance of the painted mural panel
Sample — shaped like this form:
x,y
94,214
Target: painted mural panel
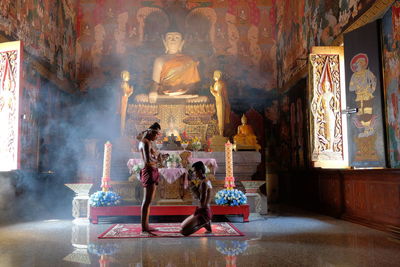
x,y
364,92
306,23
391,56
236,37
47,29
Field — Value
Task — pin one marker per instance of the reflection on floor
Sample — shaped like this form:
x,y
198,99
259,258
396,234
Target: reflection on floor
x,y
294,238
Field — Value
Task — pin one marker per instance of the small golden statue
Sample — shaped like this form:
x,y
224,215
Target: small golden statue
x,y
219,91
127,91
245,138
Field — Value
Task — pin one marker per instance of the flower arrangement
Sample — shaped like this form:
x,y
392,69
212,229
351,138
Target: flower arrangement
x,y
196,144
231,197
104,198
231,248
136,168
173,160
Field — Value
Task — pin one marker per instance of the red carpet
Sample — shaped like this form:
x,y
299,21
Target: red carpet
x,y
167,230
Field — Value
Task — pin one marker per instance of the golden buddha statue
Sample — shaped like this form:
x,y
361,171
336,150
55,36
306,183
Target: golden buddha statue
x,y
127,91
219,91
245,138
174,73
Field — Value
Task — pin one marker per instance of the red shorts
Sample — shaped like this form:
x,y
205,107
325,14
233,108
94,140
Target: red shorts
x,y
203,215
149,175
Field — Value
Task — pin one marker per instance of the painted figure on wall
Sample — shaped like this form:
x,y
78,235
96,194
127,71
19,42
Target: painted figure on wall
x,y
391,51
363,84
174,73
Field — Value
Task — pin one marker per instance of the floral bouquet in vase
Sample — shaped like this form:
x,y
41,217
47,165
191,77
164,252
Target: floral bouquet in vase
x,y
104,199
173,161
230,197
196,144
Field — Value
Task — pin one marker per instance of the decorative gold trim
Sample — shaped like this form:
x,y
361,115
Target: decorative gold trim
x,y
64,85
376,11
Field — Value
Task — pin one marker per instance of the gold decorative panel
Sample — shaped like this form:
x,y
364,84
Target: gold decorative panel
x,y
9,105
328,126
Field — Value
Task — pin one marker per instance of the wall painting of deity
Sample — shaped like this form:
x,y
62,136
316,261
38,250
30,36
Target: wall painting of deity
x,y
364,92
391,57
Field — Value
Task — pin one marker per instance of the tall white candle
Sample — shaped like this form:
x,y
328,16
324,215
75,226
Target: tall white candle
x,y
228,159
106,166
107,159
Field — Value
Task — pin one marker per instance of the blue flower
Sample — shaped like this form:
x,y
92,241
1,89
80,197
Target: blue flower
x,y
101,199
231,248
230,197
103,249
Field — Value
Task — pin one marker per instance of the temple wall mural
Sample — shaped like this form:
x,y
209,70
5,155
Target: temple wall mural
x,y
47,29
309,23
391,57
236,37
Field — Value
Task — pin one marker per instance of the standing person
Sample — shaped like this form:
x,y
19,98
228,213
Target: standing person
x,y
202,216
149,175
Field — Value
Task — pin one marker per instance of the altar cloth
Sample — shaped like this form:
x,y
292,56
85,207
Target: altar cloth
x,y
173,174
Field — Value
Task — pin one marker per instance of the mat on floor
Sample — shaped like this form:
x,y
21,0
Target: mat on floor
x,y
167,230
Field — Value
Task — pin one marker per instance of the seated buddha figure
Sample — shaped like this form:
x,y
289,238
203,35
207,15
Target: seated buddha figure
x,y
245,138
174,73
171,130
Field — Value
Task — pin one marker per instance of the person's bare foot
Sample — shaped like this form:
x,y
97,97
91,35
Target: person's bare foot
x,y
208,228
148,229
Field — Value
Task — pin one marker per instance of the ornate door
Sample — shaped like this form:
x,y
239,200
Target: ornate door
x,y
327,99
10,64
364,93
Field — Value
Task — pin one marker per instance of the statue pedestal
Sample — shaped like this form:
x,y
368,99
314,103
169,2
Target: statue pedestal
x,y
218,143
196,118
80,203
257,201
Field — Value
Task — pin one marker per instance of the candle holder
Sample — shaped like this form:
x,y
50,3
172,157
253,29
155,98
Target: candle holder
x,y
80,203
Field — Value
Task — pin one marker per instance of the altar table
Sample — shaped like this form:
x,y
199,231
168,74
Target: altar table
x,y
211,163
245,163
96,212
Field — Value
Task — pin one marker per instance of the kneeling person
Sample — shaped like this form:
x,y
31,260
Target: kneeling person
x,y
202,216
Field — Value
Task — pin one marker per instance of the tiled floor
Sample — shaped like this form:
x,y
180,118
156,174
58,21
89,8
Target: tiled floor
x,y
292,238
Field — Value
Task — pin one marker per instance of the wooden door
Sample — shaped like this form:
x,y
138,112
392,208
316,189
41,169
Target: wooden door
x,y
10,67
327,99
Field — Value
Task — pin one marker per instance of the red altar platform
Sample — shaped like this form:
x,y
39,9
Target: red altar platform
x,y
95,212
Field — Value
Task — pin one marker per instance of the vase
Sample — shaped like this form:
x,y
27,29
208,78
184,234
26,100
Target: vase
x,y
169,164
